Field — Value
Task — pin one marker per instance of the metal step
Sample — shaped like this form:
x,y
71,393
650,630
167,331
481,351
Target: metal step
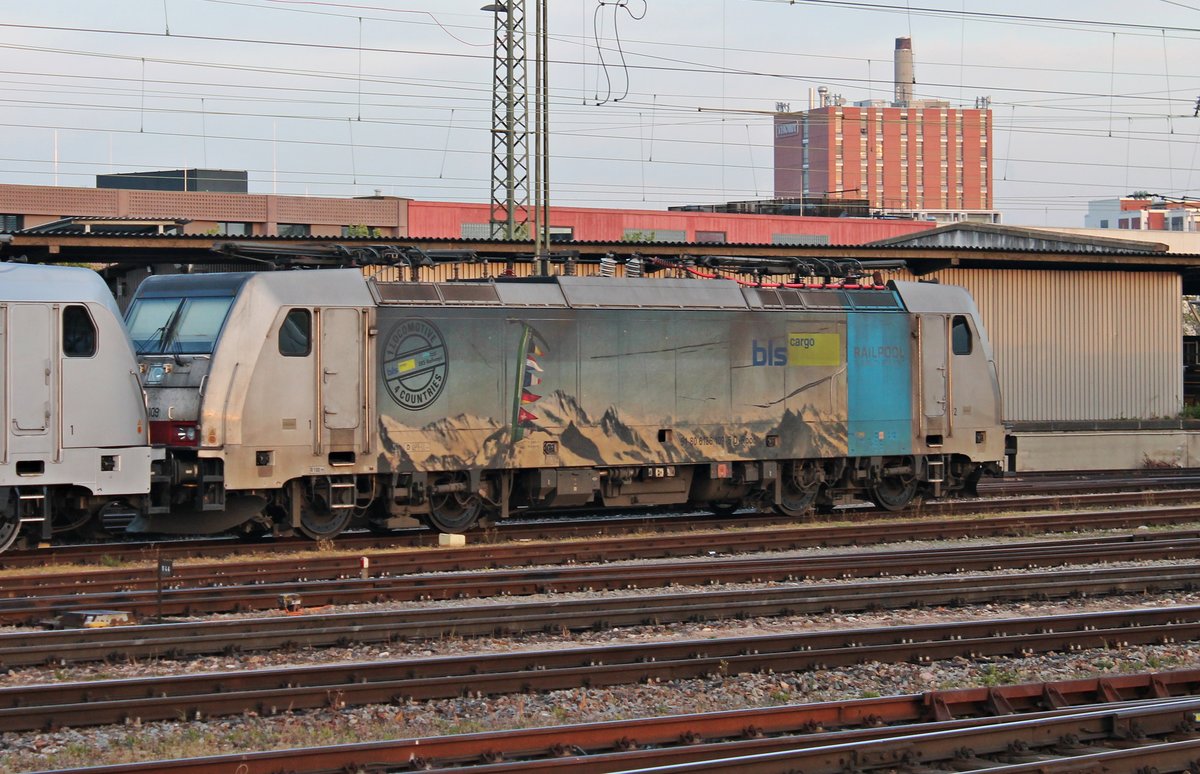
x,y
34,508
343,490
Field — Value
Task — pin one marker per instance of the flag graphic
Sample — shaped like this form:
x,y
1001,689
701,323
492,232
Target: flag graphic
x,y
532,347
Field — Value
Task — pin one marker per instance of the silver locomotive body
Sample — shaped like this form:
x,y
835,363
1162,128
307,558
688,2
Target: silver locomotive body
x,y
620,393
74,438
324,398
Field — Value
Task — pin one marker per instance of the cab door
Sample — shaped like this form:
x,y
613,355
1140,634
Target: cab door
x,y
341,370
935,378
31,376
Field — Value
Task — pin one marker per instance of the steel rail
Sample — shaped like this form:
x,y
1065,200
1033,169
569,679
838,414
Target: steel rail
x,y
609,524
593,550
976,746
181,640
144,600
270,691
613,745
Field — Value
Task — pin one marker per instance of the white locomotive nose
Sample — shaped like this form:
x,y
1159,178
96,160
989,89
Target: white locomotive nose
x,y
72,412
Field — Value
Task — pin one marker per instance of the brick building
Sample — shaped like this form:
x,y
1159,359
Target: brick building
x,y
908,156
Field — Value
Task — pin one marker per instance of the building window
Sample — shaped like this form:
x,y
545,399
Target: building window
x,y
799,239
653,235
710,237
78,332
1123,223
294,230
361,231
562,233
295,335
1103,224
11,223
1177,224
233,228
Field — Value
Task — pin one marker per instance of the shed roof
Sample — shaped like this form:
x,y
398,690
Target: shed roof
x,y
997,237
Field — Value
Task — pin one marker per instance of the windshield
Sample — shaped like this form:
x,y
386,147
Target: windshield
x,y
177,326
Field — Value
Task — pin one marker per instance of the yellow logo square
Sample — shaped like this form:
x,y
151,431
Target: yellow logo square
x,y
814,349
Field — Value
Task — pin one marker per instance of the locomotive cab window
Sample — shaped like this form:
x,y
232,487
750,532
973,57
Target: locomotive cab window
x,y
960,336
173,325
295,335
78,332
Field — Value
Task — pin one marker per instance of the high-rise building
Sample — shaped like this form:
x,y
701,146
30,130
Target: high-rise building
x,y
908,156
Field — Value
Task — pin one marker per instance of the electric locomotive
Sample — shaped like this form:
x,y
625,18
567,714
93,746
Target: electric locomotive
x,y
73,431
314,400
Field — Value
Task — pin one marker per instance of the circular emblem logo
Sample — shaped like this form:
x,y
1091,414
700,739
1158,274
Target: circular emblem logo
x,y
414,364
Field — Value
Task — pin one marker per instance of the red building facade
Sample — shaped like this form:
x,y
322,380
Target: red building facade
x,y
923,157
452,219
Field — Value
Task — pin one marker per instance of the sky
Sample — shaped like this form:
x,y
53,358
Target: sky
x,y
653,102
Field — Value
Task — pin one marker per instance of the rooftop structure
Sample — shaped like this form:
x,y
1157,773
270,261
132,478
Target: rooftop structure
x,y
207,180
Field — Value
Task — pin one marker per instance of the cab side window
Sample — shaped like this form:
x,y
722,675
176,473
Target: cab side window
x,y
960,336
295,335
78,332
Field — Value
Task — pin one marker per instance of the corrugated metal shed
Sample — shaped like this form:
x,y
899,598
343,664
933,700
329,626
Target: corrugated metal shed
x,y
1079,346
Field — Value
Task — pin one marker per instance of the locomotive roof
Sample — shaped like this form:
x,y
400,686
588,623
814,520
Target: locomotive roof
x,y
221,284
936,298
639,293
328,286
349,286
54,284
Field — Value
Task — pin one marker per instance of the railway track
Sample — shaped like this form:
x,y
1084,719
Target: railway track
x,y
411,578
1157,737
182,640
314,566
1056,494
197,638
671,740
273,691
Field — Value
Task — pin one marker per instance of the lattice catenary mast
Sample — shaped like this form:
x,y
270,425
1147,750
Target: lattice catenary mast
x,y
509,217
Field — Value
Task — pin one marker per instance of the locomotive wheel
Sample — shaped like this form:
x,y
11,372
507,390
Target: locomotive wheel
x,y
318,520
801,485
323,523
726,509
894,492
453,512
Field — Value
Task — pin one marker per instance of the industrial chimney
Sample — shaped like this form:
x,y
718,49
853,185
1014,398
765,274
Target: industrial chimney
x,y
904,72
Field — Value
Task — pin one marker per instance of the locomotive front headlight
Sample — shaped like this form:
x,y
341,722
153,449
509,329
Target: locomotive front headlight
x,y
185,434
